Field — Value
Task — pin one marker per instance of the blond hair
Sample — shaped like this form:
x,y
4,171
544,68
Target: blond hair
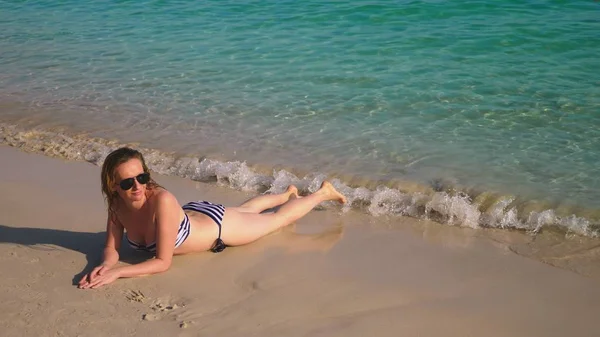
x,y
107,176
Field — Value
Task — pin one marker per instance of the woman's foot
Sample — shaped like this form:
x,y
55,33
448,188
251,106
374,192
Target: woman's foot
x,y
330,193
292,191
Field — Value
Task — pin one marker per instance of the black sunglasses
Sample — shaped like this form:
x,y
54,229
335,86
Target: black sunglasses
x,y
142,178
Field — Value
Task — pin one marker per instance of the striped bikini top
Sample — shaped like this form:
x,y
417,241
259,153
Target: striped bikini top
x,y
182,234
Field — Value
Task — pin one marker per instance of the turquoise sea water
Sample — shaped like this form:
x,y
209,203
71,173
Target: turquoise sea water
x,y
478,113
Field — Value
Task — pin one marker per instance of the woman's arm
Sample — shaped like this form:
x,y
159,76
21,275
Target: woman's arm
x,y
110,256
114,236
167,218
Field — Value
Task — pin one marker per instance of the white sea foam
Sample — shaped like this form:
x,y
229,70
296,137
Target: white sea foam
x,y
452,208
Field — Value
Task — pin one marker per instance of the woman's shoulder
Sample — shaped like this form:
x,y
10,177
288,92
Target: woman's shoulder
x,y
162,197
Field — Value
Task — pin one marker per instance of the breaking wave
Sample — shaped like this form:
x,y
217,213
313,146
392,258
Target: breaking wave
x,y
437,201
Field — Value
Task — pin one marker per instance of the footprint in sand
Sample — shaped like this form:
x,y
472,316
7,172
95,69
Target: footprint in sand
x,y
161,308
158,306
151,317
135,296
185,324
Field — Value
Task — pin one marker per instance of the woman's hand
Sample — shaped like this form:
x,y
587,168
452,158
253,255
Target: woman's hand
x,y
98,277
89,277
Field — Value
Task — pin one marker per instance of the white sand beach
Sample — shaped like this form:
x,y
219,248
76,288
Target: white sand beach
x,y
330,274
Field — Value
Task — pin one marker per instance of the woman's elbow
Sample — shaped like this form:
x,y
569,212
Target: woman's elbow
x,y
164,265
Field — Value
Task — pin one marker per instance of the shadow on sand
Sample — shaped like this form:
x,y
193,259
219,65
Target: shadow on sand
x,y
89,244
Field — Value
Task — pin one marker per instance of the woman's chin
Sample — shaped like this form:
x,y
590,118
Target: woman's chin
x,y
136,196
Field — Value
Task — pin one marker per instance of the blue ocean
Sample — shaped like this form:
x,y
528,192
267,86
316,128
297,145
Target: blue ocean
x,y
470,113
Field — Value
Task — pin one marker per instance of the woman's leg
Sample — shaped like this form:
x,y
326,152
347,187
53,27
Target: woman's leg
x,y
264,202
240,228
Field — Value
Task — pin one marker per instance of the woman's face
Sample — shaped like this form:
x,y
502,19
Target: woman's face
x,y
130,169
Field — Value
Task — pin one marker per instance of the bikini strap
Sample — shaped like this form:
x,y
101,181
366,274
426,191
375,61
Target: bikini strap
x,y
219,245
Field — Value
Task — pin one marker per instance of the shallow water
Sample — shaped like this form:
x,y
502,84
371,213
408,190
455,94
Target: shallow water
x,y
475,114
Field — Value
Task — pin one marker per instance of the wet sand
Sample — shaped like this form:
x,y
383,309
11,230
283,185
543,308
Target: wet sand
x,y
330,274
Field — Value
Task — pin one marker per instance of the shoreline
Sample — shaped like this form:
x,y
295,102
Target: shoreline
x,y
330,274
440,201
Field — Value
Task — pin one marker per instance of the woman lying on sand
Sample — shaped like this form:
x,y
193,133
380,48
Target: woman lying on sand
x,y
155,221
